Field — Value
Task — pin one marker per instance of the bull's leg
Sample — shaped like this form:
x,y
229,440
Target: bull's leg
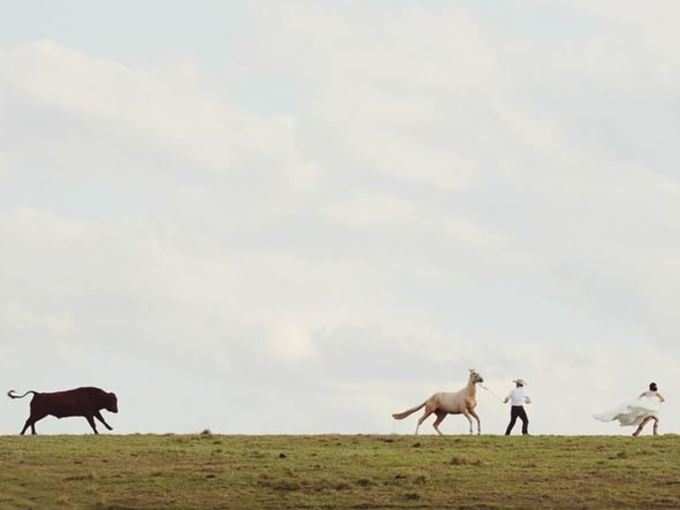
x,y
466,413
26,425
90,420
479,423
440,418
30,422
427,413
99,416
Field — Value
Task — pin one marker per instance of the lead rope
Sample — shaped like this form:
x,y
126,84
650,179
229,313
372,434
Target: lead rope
x,y
492,392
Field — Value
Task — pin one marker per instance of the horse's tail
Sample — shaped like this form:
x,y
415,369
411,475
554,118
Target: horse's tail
x,y
409,412
12,394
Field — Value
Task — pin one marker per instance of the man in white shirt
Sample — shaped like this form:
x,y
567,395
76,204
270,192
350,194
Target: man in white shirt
x,y
517,399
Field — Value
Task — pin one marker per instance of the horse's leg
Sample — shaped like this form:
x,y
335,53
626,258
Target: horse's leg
x,y
466,413
440,418
479,423
427,413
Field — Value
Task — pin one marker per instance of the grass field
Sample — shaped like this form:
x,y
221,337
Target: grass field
x,y
209,471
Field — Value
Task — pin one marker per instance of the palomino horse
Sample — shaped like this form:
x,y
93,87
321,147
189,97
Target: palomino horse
x,y
461,402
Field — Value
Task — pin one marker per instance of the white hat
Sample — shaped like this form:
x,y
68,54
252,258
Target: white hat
x,y
521,382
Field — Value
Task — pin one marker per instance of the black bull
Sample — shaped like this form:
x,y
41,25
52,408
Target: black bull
x,y
85,402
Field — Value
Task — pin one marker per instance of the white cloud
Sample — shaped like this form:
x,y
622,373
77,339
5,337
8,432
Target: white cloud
x,y
154,107
372,211
652,26
376,211
379,87
291,341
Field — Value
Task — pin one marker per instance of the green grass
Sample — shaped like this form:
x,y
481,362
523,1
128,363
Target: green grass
x,y
147,471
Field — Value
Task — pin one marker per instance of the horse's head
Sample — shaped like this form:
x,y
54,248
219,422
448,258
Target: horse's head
x,y
475,377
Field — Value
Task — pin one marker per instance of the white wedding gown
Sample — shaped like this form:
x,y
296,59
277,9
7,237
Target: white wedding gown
x,y
633,412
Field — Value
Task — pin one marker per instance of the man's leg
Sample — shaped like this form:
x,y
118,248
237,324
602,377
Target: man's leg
x,y
525,421
513,419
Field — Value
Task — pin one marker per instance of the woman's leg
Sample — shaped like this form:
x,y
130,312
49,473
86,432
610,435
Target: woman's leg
x,y
642,425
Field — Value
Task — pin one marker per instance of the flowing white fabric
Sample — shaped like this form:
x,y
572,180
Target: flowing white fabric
x,y
633,412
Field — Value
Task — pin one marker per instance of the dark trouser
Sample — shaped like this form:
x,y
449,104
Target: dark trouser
x,y
518,412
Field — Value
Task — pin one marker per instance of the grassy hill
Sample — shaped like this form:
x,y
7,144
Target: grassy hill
x,y
208,471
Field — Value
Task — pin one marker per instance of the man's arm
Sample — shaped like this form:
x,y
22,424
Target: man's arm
x,y
507,399
527,399
660,397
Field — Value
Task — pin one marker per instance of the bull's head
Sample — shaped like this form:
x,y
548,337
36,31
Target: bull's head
x,y
112,403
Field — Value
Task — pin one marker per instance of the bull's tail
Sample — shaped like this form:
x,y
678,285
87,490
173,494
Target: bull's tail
x,y
12,394
408,412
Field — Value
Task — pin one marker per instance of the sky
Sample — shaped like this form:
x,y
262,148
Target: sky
x,y
301,217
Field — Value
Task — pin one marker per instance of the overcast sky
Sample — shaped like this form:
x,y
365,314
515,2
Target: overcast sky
x,y
300,217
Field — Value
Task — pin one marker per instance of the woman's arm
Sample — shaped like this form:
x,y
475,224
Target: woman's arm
x,y
660,397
